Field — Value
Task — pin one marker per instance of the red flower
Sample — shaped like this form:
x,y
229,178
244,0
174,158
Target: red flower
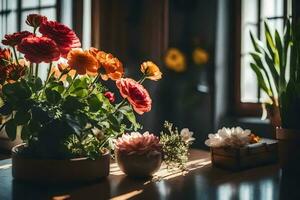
x,y
15,38
35,20
110,96
64,37
39,49
136,94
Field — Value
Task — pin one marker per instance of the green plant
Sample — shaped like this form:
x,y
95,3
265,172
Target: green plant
x,y
71,113
277,67
175,145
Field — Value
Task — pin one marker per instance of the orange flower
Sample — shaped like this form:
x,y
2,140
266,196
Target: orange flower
x,y
113,67
82,61
14,72
5,54
62,69
151,71
254,138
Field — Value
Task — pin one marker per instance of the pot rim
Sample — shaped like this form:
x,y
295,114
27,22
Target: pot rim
x,y
15,149
287,134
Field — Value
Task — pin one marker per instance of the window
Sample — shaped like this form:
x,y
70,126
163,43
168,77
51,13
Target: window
x,y
13,15
252,17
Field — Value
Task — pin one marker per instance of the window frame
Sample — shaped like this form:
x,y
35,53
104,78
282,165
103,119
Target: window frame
x,y
244,108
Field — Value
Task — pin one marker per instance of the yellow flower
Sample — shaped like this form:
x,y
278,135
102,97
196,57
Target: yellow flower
x,y
151,70
175,60
200,56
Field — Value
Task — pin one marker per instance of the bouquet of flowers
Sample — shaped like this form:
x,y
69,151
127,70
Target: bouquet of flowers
x,y
70,113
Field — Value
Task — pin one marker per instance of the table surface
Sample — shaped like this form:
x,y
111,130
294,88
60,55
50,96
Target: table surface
x,y
201,182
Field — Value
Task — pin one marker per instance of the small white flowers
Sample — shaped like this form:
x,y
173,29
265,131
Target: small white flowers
x,y
226,137
186,135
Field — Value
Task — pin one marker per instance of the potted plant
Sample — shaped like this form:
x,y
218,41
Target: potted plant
x,y
69,119
268,63
283,61
141,155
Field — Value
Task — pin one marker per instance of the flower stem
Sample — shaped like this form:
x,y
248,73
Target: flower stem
x,y
48,74
15,54
120,105
142,79
92,84
36,70
47,79
70,85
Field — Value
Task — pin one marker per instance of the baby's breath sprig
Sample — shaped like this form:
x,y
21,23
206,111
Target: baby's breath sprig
x,y
175,148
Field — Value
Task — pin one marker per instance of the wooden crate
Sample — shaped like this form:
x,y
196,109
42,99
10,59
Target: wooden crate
x,y
253,155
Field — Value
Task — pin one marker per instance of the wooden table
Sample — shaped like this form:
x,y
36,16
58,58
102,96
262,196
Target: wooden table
x,y
202,182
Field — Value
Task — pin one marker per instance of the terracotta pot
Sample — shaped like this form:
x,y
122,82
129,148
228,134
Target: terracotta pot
x,y
289,143
139,165
274,115
55,171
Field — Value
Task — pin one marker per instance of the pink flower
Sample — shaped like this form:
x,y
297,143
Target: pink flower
x,y
136,94
136,143
110,96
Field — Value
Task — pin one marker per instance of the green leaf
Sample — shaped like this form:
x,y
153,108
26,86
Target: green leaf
x,y
128,112
52,96
17,92
11,129
22,118
35,84
80,92
272,69
114,123
254,43
69,78
261,81
270,43
287,40
72,104
57,86
94,102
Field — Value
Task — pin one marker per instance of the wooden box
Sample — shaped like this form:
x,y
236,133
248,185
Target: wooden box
x,y
253,155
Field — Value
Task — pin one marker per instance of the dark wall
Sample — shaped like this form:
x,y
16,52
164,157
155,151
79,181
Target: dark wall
x,y
183,100
138,30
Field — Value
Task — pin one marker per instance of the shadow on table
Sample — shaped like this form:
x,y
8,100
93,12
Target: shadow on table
x,y
93,190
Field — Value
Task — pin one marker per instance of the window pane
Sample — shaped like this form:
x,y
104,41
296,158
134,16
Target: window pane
x,y
50,13
30,3
86,36
246,40
48,2
249,90
8,16
271,8
249,11
66,12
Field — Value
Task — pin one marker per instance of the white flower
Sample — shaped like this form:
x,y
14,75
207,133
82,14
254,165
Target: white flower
x,y
233,137
186,135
